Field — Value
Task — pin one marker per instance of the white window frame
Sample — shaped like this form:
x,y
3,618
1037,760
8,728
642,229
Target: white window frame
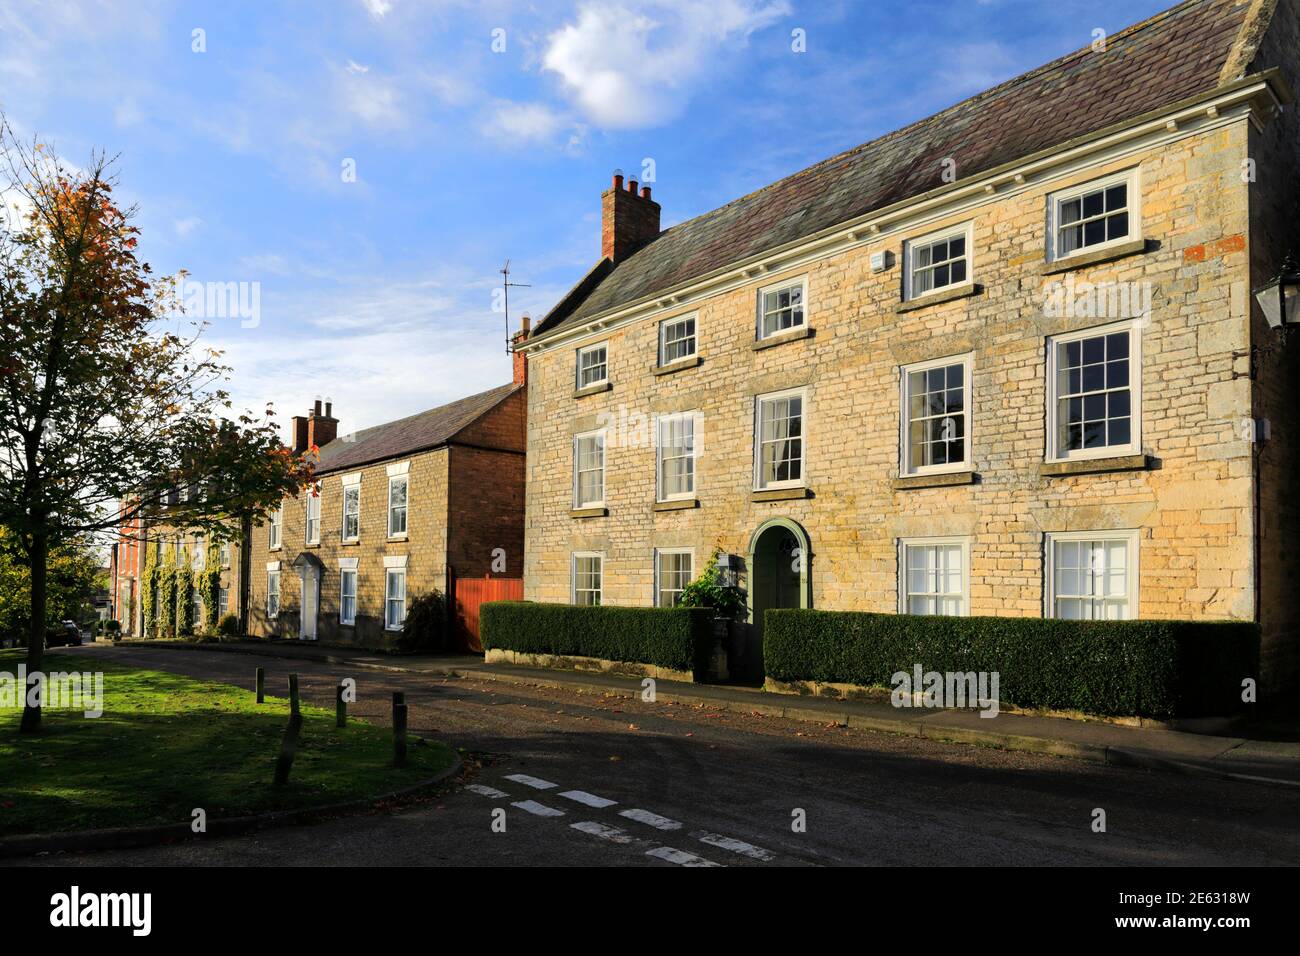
x,y
196,608
694,339
660,552
1134,208
802,480
344,572
389,575
275,529
660,422
223,554
906,466
1130,536
223,602
307,514
578,503
573,576
404,479
965,230
199,554
802,283
273,578
349,483
932,542
1053,451
577,366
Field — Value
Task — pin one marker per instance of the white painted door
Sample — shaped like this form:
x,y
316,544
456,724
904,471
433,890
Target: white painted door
x,y
310,604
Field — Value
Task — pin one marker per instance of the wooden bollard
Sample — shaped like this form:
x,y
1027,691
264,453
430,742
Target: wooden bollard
x,y
399,697
288,748
293,693
399,735
340,708
259,679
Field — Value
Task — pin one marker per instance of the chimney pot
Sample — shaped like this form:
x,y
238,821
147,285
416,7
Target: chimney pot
x,y
315,410
526,324
618,179
329,409
631,186
645,192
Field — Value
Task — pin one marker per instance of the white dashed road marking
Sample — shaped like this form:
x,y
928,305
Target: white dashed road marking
x,y
612,834
735,846
680,857
589,799
533,782
538,809
650,819
492,792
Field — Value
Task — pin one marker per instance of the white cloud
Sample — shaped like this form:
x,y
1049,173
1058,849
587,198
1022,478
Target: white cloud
x,y
523,122
630,67
377,8
355,67
186,225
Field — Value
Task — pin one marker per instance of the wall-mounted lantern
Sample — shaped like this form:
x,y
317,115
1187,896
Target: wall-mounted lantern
x,y
1279,297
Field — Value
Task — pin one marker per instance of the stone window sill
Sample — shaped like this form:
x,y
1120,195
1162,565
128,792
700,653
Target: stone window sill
x,y
397,537
1109,254
1092,466
592,390
944,480
588,512
781,494
677,366
781,338
350,544
677,504
943,295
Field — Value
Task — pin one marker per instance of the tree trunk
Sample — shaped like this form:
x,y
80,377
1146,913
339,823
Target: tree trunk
x,y
39,554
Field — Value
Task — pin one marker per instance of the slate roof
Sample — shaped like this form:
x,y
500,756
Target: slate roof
x,y
419,432
1172,56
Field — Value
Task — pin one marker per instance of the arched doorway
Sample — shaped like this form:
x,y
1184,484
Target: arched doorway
x,y
779,562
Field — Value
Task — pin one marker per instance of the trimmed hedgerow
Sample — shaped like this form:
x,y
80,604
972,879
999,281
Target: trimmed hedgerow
x,y
1110,668
677,638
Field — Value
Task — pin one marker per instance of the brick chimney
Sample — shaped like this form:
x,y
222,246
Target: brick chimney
x,y
628,219
321,428
520,359
299,432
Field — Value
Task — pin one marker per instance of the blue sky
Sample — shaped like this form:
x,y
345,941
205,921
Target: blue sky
x,y
378,292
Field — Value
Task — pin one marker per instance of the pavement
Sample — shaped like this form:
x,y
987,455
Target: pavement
x,y
563,773
1264,752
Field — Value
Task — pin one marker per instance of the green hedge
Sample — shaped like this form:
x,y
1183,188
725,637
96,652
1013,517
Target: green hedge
x,y
1110,668
676,638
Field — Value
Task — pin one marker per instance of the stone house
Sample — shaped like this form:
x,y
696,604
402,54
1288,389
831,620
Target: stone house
x,y
397,511
1003,361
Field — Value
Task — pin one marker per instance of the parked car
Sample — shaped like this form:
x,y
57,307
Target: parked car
x,y
67,634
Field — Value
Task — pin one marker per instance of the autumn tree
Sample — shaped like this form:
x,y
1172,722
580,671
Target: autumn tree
x,y
108,402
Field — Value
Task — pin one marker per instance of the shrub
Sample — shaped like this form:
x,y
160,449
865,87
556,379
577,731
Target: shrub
x,y
425,627
678,638
228,626
708,591
112,627
1111,668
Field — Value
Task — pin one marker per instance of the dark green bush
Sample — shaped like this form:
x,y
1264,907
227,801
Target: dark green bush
x,y
425,627
228,626
673,637
1111,668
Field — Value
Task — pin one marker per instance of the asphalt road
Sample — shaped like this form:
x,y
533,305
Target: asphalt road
x,y
609,781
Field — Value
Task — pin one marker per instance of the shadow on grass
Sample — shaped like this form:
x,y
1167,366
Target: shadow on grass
x,y
167,744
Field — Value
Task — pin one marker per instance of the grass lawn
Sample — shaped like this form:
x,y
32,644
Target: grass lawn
x,y
167,744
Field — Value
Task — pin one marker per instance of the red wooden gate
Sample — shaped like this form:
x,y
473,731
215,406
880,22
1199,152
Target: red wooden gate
x,y
470,593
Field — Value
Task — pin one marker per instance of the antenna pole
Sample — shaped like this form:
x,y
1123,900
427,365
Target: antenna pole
x,y
505,298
